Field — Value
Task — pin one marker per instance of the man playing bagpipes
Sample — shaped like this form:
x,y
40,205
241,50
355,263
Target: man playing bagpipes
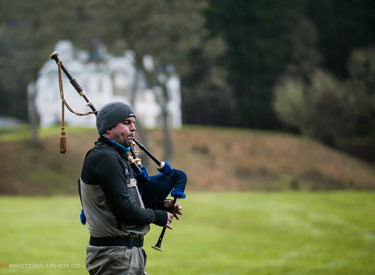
x,y
120,201
118,197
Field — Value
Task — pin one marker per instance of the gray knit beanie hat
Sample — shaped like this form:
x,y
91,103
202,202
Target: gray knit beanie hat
x,y
111,114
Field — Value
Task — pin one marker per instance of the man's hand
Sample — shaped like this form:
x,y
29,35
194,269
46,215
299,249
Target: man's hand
x,y
176,208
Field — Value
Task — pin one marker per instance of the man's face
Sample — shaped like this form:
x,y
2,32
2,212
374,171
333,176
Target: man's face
x,y
123,132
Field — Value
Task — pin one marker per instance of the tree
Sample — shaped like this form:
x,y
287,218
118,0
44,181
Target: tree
x,y
343,26
321,109
319,94
361,67
257,51
327,108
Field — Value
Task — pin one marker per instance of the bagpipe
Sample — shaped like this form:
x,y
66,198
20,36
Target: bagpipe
x,y
153,189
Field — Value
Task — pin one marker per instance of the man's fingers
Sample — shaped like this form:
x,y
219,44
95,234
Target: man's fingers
x,y
170,218
177,206
177,209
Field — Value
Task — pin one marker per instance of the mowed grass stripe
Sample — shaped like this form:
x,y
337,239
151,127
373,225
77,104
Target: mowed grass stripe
x,y
219,233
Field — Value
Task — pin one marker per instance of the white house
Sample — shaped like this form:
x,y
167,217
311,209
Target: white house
x,y
111,79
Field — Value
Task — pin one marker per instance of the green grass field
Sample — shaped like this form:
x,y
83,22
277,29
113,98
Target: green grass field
x,y
220,233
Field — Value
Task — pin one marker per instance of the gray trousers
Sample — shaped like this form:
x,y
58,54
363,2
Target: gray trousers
x,y
115,260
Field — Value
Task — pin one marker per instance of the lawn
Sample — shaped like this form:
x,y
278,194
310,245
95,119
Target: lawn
x,y
220,233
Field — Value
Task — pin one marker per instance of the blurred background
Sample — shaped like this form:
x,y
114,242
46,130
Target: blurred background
x,y
296,71
260,95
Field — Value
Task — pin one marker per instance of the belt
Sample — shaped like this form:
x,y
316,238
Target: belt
x,y
129,241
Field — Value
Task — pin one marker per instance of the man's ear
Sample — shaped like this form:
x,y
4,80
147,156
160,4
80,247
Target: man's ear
x,y
107,133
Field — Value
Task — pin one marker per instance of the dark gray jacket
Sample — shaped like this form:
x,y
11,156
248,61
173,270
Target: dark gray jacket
x,y
110,196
